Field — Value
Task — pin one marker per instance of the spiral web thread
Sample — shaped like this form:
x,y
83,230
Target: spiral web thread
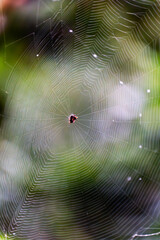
x,y
75,180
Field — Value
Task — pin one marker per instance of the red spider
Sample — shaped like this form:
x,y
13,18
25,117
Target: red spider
x,y
72,118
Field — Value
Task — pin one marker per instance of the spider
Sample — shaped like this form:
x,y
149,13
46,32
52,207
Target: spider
x,y
72,118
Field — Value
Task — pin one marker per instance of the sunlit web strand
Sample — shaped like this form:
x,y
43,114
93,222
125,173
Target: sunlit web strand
x,y
77,125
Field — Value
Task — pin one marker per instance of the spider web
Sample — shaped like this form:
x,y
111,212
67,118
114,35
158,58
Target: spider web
x,y
99,177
